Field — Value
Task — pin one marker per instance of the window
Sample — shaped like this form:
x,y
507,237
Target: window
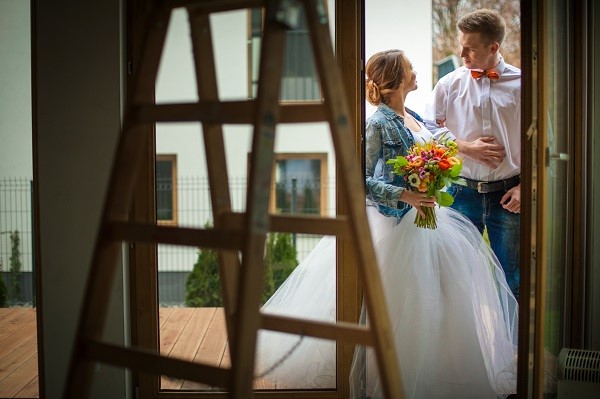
x,y
299,184
300,79
166,189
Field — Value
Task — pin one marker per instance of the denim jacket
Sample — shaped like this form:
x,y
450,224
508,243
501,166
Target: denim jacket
x,y
386,137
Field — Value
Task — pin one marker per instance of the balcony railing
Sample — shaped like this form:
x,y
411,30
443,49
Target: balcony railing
x,y
192,207
17,263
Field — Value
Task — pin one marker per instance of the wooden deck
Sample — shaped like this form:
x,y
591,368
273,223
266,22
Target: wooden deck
x,y
18,353
195,334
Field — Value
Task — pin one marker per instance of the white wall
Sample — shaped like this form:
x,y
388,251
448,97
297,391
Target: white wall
x,y
15,89
404,25
176,83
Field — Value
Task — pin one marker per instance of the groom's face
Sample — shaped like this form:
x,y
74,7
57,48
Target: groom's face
x,y
475,53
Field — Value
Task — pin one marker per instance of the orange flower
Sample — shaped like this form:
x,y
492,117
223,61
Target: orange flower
x,y
416,163
444,164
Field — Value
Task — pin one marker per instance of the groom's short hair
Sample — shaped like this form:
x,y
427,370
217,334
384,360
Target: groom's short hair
x,y
488,23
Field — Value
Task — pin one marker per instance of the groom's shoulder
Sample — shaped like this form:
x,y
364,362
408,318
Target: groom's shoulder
x,y
511,70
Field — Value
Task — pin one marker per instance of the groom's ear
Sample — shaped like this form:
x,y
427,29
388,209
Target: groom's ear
x,y
494,47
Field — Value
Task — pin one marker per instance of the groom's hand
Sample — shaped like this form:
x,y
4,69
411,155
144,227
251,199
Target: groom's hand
x,y
511,201
483,150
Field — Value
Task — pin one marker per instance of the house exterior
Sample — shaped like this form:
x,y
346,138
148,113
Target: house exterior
x,y
304,174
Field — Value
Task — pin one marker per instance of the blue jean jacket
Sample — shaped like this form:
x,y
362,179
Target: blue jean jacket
x,y
386,137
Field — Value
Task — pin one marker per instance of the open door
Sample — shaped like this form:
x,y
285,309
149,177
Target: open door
x,y
554,192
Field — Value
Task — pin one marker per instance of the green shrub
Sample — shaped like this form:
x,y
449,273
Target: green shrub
x,y
3,293
15,265
203,284
280,256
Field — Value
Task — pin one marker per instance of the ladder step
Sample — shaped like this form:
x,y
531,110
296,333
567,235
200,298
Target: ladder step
x,y
294,224
217,238
226,112
340,331
138,359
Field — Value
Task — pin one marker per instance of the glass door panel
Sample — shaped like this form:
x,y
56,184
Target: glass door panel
x,y
556,197
18,263
191,318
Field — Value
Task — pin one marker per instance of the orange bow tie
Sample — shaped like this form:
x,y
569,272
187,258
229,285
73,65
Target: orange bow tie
x,y
490,74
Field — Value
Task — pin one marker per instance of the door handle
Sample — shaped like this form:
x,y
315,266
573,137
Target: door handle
x,y
560,156
556,156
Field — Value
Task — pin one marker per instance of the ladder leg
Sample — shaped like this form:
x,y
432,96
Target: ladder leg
x,y
229,263
256,224
353,190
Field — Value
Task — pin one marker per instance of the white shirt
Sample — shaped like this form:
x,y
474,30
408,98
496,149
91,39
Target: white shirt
x,y
473,108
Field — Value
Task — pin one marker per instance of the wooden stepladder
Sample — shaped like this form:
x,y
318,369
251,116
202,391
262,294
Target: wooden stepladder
x,y
233,232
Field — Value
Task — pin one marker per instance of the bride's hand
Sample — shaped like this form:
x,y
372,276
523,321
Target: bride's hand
x,y
417,200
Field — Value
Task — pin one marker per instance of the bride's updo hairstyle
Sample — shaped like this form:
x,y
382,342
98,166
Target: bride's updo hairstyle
x,y
385,72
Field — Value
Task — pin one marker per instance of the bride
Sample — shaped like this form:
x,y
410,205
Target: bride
x,y
453,316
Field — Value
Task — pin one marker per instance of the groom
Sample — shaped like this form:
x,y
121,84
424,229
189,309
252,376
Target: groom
x,y
480,103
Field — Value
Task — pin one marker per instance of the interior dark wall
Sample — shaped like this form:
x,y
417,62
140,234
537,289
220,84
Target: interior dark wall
x,y
77,48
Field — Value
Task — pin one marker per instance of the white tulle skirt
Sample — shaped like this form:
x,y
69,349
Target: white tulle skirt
x,y
452,313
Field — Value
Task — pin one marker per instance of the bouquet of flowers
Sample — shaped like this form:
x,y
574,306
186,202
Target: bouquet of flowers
x,y
428,168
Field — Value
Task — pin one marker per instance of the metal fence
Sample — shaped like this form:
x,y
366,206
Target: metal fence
x,y
194,210
17,263
174,262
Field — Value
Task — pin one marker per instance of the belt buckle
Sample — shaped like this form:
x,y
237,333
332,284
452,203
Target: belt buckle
x,y
480,188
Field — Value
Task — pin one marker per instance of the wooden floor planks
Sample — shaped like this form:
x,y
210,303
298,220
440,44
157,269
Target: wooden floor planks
x,y
195,334
18,353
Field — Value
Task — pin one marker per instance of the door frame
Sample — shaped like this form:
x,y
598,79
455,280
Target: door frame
x,y
535,175
349,49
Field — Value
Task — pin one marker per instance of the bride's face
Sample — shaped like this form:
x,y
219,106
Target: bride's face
x,y
410,79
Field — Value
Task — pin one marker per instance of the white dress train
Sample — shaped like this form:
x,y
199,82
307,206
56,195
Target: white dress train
x,y
453,316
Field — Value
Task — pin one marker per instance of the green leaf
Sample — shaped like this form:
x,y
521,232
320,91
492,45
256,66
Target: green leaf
x,y
398,161
443,198
460,181
455,170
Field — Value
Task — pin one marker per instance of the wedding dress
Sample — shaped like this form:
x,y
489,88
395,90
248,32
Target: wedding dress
x,y
453,316
454,319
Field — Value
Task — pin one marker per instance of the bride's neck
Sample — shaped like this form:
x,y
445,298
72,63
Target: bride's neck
x,y
397,104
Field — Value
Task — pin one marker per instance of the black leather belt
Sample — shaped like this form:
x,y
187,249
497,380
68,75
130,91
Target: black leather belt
x,y
483,187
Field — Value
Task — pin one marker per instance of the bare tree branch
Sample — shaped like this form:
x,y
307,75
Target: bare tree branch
x,y
446,13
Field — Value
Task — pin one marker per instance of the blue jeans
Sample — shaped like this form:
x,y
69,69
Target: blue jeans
x,y
503,227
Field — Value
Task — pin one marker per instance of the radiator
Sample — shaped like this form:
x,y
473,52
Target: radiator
x,y
578,374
